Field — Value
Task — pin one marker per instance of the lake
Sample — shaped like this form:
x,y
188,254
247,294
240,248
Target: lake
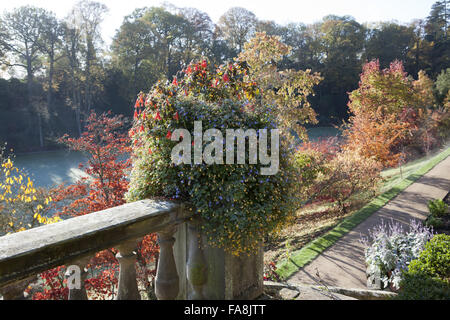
x,y
52,167
55,167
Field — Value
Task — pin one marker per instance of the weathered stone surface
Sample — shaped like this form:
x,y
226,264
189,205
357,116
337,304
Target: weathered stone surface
x,y
16,290
167,281
32,251
309,292
288,294
127,287
228,277
318,294
196,268
74,293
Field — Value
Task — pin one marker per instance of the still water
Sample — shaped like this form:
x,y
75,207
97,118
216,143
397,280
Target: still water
x,y
55,167
52,167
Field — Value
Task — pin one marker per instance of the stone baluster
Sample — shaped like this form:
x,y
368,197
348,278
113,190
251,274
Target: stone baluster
x,y
167,281
76,274
128,289
196,264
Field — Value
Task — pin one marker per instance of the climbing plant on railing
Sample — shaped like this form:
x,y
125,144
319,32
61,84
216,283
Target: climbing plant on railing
x,y
237,204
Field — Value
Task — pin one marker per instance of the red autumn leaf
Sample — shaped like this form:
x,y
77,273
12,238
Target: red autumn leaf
x,y
105,189
174,82
169,135
204,64
225,78
176,116
157,116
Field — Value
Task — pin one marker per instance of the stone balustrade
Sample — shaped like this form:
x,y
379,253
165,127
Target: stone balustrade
x,y
76,240
187,267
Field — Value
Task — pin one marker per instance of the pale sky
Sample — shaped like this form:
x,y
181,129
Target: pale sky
x,y
280,11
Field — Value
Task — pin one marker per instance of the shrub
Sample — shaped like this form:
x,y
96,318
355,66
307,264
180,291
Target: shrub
x,y
437,207
417,286
238,205
22,205
309,164
434,222
434,260
350,174
428,276
390,250
325,172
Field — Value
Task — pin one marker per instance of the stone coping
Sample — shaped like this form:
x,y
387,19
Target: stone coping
x,y
29,252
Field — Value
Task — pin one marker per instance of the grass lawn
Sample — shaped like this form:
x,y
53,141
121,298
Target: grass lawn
x,y
318,226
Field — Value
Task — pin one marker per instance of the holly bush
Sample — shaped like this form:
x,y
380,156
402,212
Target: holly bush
x,y
237,204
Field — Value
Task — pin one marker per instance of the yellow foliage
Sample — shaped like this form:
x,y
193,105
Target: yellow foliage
x,y
22,206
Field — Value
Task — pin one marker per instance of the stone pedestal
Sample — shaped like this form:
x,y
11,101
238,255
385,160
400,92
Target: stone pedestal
x,y
227,277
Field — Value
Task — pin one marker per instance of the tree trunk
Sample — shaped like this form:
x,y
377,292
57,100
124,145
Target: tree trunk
x,y
50,84
41,137
30,101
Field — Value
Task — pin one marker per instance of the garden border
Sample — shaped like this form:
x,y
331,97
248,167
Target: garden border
x,y
308,253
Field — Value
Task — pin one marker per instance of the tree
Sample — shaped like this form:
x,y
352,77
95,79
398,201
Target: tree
x,y
436,27
420,50
392,114
20,42
70,67
443,84
107,148
82,67
104,145
168,32
50,44
374,126
438,21
133,52
86,16
284,92
389,41
237,26
341,45
198,30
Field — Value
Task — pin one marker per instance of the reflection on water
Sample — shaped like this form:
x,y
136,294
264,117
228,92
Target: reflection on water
x,y
55,167
52,168
323,132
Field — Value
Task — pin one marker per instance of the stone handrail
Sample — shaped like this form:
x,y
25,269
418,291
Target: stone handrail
x,y
76,240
